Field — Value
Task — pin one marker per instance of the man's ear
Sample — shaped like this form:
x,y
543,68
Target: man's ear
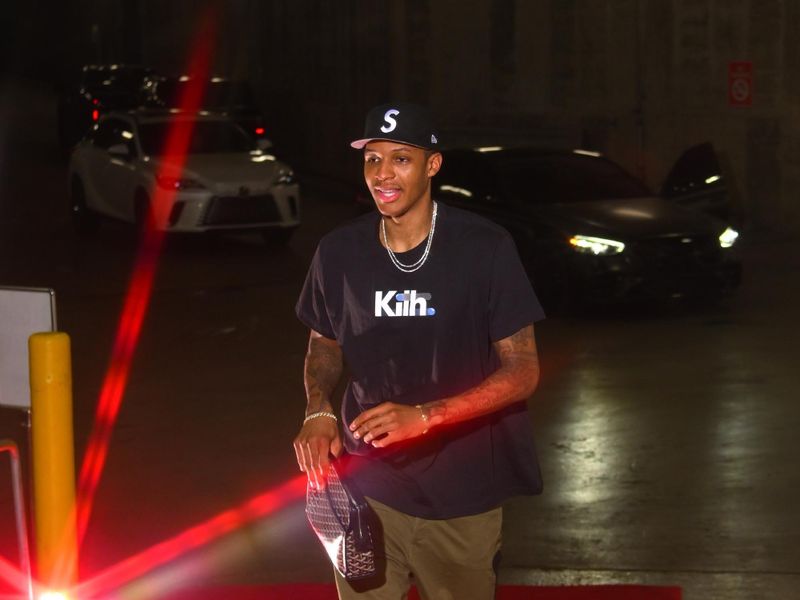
x,y
434,163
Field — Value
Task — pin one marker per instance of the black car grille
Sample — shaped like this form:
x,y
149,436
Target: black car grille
x,y
679,252
241,210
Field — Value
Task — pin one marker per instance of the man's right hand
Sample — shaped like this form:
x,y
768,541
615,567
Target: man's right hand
x,y
317,441
319,437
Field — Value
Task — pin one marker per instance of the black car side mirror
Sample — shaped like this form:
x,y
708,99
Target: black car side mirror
x,y
120,151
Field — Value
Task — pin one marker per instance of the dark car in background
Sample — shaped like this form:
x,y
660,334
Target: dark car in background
x,y
100,89
590,233
232,98
696,181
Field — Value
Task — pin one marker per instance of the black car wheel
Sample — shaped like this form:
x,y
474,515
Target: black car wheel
x,y
84,220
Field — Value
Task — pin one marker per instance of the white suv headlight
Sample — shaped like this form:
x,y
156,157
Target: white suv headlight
x,y
595,245
728,237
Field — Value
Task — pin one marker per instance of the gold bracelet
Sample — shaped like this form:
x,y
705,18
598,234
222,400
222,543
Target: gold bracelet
x,y
424,416
321,413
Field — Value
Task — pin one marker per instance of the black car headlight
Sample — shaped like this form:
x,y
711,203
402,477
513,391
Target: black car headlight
x,y
728,237
595,245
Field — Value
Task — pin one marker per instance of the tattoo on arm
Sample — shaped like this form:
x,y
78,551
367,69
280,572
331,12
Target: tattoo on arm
x,y
323,369
518,349
515,380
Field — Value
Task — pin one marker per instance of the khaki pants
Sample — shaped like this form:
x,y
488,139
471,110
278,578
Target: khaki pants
x,y
450,559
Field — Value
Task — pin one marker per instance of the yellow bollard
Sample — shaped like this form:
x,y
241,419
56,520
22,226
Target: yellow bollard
x,y
53,460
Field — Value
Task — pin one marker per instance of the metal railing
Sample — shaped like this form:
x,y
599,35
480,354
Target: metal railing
x,y
19,512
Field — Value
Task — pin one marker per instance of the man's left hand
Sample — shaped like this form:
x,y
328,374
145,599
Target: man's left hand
x,y
388,423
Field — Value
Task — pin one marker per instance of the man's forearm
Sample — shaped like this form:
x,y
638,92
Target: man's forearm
x,y
503,387
515,380
323,369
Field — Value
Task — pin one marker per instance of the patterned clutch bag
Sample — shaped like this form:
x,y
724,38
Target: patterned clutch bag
x,y
340,516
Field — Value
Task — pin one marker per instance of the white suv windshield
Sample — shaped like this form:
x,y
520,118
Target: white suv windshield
x,y
208,137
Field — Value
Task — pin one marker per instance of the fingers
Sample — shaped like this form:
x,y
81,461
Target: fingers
x,y
320,463
301,459
386,440
319,469
313,458
312,462
313,446
337,447
377,426
369,414
388,423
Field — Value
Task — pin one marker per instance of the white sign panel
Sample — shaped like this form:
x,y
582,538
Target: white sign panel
x,y
23,312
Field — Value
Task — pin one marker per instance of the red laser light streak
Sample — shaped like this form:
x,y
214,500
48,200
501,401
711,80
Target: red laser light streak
x,y
141,284
13,576
226,522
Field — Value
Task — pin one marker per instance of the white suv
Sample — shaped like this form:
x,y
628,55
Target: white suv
x,y
227,181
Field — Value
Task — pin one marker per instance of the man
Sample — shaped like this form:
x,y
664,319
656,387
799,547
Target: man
x,y
433,314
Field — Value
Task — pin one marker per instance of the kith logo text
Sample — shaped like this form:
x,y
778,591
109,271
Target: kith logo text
x,y
408,303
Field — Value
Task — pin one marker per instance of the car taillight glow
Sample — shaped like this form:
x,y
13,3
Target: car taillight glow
x,y
260,131
95,114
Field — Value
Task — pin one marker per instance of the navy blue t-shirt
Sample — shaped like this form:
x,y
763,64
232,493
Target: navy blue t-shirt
x,y
416,337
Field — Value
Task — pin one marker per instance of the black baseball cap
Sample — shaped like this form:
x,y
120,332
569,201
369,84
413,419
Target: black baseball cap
x,y
399,122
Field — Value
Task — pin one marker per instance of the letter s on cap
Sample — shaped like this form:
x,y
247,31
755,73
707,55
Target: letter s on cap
x,y
391,124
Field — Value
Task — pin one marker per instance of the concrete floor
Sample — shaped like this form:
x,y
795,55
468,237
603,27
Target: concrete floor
x,y
667,437
669,444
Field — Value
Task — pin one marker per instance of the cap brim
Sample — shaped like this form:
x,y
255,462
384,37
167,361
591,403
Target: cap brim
x,y
359,144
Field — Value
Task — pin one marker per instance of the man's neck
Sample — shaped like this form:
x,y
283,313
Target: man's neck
x,y
409,230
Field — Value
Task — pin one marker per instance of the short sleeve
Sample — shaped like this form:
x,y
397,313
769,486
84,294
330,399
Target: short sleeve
x,y
512,302
311,307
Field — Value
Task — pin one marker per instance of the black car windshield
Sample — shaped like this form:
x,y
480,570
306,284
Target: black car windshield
x,y
129,79
208,137
559,178
218,94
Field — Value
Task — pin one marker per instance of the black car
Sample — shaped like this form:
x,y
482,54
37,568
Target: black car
x,y
234,99
588,232
100,89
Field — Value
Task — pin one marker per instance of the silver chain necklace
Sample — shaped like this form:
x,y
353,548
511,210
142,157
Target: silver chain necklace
x,y
412,267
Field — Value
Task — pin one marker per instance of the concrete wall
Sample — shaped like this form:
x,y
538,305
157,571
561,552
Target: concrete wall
x,y
638,79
